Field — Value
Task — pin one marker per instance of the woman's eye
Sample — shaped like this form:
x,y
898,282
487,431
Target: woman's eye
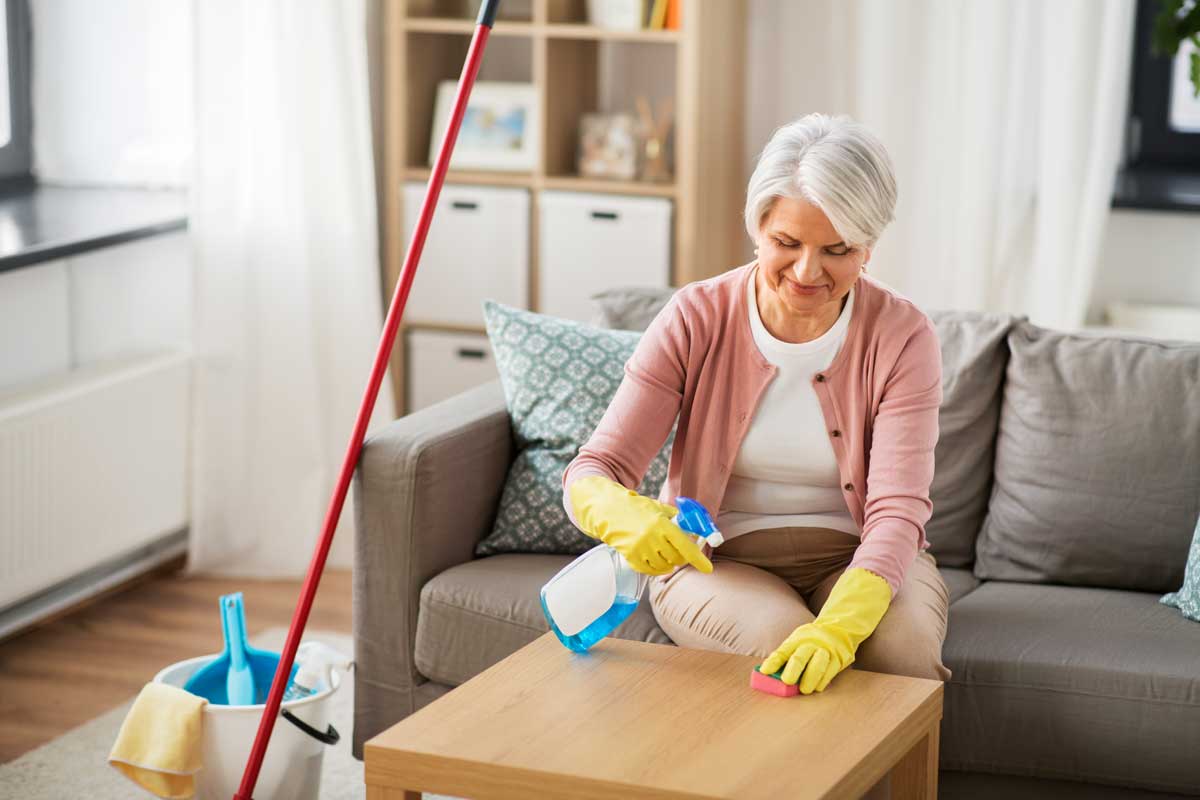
x,y
838,252
784,244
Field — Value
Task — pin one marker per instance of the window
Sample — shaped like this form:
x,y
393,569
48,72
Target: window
x,y
15,127
1162,145
1165,113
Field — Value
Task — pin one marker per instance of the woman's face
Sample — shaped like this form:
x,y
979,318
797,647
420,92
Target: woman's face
x,y
805,265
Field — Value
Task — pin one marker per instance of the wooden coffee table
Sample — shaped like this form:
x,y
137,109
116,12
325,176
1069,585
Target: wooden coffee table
x,y
630,719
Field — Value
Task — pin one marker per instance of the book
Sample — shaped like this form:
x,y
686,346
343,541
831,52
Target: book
x,y
658,15
674,11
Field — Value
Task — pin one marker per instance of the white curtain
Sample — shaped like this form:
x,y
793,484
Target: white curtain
x,y
1005,122
286,277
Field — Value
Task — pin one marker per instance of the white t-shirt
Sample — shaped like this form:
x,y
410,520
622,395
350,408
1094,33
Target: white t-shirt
x,y
785,473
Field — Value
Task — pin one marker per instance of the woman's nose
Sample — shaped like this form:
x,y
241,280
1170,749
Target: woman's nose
x,y
807,269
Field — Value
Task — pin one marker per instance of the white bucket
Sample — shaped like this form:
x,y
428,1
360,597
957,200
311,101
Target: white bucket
x,y
291,768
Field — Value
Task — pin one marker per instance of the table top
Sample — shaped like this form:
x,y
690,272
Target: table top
x,y
662,720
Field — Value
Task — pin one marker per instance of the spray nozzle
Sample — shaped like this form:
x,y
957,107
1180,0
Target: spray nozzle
x,y
694,518
317,661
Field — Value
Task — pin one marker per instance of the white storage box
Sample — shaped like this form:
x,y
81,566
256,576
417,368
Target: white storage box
x,y
477,249
440,365
593,242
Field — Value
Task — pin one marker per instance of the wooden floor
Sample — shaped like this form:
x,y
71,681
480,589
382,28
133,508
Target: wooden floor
x,y
91,659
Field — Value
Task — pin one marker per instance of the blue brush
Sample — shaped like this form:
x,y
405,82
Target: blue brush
x,y
242,674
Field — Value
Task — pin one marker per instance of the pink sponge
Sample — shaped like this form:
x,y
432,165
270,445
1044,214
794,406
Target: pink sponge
x,y
771,684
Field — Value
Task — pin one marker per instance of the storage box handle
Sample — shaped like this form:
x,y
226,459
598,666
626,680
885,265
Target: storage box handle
x,y
465,205
605,215
469,352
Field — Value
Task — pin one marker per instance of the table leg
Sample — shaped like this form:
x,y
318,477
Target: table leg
x,y
915,776
377,792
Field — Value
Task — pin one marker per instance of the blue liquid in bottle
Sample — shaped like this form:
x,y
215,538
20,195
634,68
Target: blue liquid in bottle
x,y
578,591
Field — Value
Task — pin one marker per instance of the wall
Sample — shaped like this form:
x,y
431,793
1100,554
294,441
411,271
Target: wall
x,y
1148,257
793,69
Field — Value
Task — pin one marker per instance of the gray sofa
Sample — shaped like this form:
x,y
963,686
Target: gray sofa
x,y
1067,484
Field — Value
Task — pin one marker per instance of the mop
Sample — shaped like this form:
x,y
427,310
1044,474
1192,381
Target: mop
x,y
483,27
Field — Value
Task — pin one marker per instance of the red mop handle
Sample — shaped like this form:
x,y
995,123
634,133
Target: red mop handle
x,y
487,15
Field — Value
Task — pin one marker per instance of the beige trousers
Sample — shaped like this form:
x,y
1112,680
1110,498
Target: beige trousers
x,y
766,583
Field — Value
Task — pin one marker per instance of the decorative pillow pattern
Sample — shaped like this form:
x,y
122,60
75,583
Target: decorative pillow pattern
x,y
1187,599
559,377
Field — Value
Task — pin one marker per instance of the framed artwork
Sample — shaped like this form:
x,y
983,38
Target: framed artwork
x,y
608,146
499,129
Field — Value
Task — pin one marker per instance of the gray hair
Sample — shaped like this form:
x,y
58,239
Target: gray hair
x,y
834,163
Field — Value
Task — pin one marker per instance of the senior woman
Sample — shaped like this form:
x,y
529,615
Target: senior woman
x,y
807,398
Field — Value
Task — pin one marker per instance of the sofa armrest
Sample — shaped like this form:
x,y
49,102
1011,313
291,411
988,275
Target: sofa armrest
x,y
426,491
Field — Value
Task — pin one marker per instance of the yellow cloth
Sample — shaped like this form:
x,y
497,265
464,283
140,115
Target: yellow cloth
x,y
824,647
637,527
158,746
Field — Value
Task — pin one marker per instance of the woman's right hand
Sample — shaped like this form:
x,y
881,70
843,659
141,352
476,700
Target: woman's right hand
x,y
637,527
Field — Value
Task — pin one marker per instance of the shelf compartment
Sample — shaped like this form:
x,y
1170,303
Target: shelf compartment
x,y
586,75
435,57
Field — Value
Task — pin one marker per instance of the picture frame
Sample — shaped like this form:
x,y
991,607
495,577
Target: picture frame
x,y
500,127
608,146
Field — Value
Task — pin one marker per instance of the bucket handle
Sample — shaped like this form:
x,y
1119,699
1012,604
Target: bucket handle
x,y
331,736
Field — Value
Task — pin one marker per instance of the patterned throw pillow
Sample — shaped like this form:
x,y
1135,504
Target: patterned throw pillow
x,y
1187,599
559,377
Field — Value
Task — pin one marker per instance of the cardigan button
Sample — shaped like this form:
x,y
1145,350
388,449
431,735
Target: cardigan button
x,y
820,378
849,487
836,433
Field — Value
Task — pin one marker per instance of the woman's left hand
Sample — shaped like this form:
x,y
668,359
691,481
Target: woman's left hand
x,y
817,651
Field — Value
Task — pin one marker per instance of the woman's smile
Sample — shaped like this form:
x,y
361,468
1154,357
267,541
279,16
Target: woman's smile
x,y
801,289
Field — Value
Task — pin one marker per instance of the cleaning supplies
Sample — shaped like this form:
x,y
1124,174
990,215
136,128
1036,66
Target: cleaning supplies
x,y
159,744
772,684
636,526
315,663
236,677
596,592
817,651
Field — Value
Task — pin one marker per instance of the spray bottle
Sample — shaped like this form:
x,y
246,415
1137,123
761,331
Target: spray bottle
x,y
316,661
596,592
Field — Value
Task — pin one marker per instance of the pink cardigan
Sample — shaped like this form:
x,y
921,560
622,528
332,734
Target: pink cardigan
x,y
698,360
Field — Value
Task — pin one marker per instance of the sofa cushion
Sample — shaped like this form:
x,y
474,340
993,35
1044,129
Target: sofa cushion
x,y
475,614
559,377
1075,683
1096,462
959,581
974,356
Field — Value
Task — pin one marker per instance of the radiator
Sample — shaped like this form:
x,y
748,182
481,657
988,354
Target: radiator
x,y
93,467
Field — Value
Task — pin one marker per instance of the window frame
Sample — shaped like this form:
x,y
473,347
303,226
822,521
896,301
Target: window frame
x,y
16,157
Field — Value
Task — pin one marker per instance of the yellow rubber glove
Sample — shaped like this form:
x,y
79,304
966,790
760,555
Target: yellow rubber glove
x,y
824,647
637,527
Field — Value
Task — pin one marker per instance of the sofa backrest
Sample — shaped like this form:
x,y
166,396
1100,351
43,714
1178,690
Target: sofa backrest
x,y
974,358
1097,472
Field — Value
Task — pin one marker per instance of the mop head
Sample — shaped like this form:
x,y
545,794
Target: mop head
x,y
771,684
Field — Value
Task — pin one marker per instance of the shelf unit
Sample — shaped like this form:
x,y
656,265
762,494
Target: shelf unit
x,y
549,44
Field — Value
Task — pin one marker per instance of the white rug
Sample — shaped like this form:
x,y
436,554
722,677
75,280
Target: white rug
x,y
75,765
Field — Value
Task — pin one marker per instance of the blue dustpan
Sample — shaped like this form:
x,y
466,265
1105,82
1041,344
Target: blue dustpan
x,y
241,675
